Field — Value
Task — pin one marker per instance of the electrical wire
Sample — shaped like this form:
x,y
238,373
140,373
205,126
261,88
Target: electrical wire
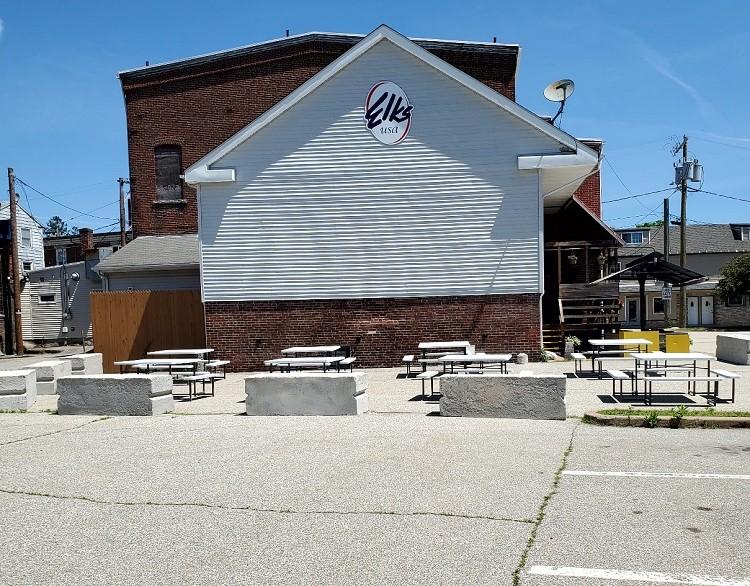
x,y
726,144
734,197
95,210
62,204
638,195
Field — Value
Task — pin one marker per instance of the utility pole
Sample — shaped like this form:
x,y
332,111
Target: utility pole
x,y
122,183
685,175
665,227
15,264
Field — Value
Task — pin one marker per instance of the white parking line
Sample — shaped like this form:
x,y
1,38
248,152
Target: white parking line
x,y
658,577
655,474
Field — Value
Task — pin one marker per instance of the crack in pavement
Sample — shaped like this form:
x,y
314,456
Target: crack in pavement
x,y
543,507
31,437
252,509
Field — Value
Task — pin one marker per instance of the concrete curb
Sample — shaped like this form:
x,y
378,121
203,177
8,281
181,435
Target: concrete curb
x,y
638,420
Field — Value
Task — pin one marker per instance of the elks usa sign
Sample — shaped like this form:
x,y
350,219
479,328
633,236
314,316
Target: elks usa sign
x,y
388,112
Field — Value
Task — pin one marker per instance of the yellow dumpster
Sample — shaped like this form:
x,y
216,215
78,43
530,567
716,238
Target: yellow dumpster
x,y
677,342
650,335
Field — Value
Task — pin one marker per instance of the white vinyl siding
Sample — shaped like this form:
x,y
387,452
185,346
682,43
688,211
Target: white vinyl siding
x,y
321,209
31,237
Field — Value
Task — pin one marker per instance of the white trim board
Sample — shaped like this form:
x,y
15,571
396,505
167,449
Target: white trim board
x,y
637,576
200,172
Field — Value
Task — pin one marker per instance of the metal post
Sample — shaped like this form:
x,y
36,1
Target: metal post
x,y
122,183
15,264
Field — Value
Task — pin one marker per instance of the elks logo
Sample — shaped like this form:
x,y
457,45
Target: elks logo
x,y
388,112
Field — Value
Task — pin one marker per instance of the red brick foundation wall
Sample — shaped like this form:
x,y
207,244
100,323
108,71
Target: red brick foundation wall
x,y
379,331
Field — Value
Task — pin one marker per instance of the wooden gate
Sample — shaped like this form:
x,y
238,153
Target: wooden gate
x,y
127,324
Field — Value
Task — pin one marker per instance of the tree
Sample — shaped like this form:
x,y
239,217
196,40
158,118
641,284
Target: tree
x,y
653,224
735,277
58,227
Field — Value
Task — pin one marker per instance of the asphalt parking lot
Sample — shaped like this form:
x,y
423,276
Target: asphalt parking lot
x,y
381,498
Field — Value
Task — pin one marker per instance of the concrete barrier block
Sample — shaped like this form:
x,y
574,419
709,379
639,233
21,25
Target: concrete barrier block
x,y
304,393
49,370
503,396
734,348
17,389
90,363
115,394
46,387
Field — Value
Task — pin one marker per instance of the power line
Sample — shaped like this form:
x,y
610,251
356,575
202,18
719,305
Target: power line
x,y
638,195
94,210
726,144
734,197
60,203
107,226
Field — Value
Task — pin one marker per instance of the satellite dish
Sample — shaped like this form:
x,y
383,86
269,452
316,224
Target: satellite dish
x,y
559,91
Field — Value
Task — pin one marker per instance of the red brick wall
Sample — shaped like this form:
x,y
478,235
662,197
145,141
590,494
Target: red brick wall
x,y
380,331
589,194
200,107
590,191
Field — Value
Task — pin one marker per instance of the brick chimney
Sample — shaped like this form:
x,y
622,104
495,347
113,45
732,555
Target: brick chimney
x,y
87,240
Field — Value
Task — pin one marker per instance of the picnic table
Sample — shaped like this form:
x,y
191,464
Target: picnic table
x,y
150,363
321,350
481,358
195,352
324,361
425,347
598,352
644,360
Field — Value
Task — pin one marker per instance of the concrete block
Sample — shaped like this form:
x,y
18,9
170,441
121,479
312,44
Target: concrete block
x,y
51,369
734,348
90,363
115,394
46,387
304,393
17,389
504,396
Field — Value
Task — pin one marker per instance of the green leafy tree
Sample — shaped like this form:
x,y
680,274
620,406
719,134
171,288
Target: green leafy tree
x,y
56,226
653,224
735,277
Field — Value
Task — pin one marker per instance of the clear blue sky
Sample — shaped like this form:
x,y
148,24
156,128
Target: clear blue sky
x,y
645,73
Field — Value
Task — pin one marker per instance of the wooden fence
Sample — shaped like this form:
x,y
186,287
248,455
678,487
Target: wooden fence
x,y
127,324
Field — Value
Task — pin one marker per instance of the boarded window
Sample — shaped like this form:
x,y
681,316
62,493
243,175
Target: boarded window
x,y
168,160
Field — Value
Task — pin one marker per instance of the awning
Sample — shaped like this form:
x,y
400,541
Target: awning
x,y
653,266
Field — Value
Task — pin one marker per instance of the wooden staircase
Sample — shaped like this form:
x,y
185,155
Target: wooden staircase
x,y
552,338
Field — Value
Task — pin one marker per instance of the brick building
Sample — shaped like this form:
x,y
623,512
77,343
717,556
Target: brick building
x,y
313,228
60,250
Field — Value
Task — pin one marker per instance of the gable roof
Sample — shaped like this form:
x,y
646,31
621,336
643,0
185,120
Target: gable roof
x,y
200,171
701,239
153,253
6,205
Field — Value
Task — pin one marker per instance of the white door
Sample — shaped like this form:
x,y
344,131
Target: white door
x,y
632,310
693,316
707,311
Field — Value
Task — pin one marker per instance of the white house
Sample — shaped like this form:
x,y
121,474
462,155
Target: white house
x,y
30,237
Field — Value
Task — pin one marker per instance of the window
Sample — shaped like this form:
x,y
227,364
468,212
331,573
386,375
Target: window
x,y
26,237
27,265
736,301
745,232
61,256
634,237
168,163
47,298
658,305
